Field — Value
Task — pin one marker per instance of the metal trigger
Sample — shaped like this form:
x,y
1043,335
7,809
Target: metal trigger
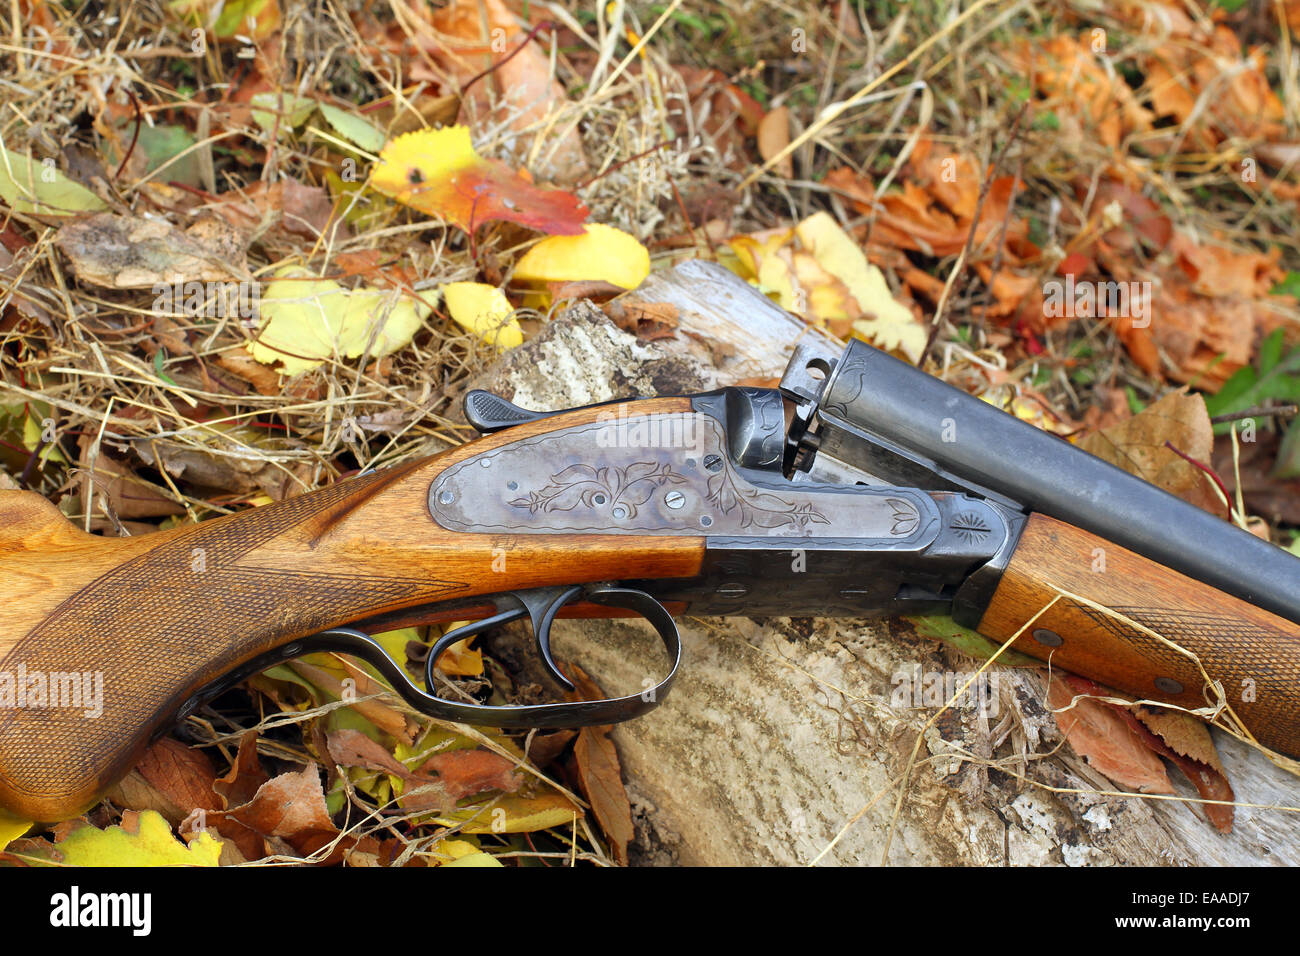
x,y
540,605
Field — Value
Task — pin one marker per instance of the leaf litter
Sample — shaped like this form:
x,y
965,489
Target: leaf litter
x,y
392,197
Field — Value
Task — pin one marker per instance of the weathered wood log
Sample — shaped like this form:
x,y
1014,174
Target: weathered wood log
x,y
787,741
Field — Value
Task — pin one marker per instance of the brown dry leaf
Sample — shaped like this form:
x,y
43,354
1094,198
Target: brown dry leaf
x,y
129,252
599,771
245,775
171,779
352,748
287,811
1137,445
440,782
463,773
648,321
288,205
1104,738
236,360
184,775
1213,90
1186,741
128,495
774,136
1090,102
722,111
470,36
546,747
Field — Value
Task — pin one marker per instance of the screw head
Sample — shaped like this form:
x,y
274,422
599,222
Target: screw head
x,y
618,511
732,589
674,499
713,462
1167,685
1048,638
446,497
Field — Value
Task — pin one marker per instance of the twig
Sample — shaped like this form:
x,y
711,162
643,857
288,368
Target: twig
x,y
537,28
1257,411
937,322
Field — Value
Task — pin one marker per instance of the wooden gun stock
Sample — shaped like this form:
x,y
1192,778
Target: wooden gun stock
x,y
160,616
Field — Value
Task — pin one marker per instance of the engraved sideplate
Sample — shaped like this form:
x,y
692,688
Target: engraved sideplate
x,y
660,474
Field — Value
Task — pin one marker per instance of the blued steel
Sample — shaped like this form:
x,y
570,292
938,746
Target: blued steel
x,y
888,418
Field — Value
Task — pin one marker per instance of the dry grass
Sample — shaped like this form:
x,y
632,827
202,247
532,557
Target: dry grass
x,y
117,379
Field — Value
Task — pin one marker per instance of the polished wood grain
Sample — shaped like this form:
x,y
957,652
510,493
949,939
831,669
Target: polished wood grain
x,y
161,615
1254,654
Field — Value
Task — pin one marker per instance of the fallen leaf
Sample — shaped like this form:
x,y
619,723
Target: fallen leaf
x,y
600,252
1104,738
484,310
128,252
599,771
305,321
438,173
11,829
37,187
1185,740
172,779
353,128
518,814
885,322
143,839
473,36
774,136
280,110
1137,445
290,807
245,775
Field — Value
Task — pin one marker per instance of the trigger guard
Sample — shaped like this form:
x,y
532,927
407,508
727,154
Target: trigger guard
x,y
570,714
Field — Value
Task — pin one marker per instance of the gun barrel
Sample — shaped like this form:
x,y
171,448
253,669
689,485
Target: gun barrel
x,y
881,414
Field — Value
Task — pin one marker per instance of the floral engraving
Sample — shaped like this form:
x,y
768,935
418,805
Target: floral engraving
x,y
761,509
906,517
611,486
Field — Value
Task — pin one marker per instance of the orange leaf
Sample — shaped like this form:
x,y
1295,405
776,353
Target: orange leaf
x,y
1099,734
438,172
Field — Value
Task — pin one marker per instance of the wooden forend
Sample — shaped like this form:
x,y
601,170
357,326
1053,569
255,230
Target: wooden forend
x,y
1254,654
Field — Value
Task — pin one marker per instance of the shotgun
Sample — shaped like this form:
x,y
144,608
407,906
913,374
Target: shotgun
x,y
861,486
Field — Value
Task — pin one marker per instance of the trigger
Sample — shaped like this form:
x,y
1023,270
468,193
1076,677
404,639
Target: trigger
x,y
542,612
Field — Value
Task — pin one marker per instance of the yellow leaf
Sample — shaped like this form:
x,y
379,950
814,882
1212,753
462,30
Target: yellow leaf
x,y
478,858
143,839
601,253
517,814
11,828
437,172
484,310
306,321
887,323
38,187
458,660
462,853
